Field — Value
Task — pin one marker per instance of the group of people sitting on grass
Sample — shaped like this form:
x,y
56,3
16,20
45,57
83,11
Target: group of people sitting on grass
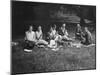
x,y
56,37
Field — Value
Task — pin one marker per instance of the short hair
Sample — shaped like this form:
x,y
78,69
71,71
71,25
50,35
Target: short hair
x,y
64,24
86,28
30,26
39,26
78,24
54,25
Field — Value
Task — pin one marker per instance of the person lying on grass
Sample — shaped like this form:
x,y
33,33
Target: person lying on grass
x,y
39,37
30,38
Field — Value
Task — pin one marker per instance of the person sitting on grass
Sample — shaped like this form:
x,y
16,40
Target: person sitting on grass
x,y
30,38
52,33
87,37
64,36
39,37
78,32
52,37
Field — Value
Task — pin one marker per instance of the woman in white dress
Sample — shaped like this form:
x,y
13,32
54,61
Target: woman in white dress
x,y
53,38
39,37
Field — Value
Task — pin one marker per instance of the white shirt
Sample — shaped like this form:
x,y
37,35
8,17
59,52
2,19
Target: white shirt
x,y
30,36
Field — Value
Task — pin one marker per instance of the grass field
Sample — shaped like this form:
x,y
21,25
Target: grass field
x,y
41,60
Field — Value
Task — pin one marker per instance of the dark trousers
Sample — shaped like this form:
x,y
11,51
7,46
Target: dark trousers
x,y
29,44
86,41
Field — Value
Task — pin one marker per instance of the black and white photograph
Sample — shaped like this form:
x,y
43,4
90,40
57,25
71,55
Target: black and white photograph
x,y
52,37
